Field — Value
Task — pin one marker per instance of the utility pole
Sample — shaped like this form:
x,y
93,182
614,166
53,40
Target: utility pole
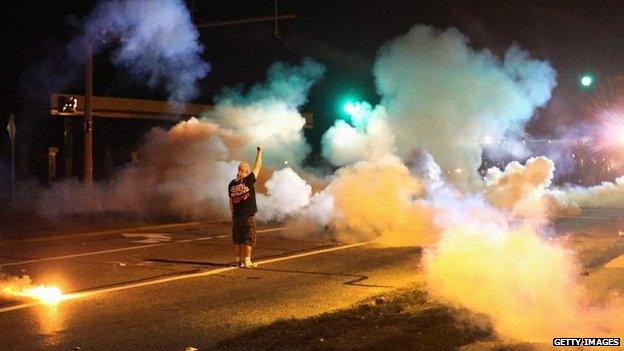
x,y
11,130
276,31
88,119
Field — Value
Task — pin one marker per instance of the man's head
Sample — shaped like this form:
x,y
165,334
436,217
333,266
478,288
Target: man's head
x,y
243,170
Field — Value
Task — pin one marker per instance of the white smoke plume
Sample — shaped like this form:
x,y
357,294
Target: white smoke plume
x,y
178,173
268,113
443,96
157,42
607,194
524,190
286,194
185,171
369,138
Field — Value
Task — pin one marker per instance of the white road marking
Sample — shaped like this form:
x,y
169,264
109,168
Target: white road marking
x,y
185,241
80,254
150,238
616,263
92,253
586,217
112,231
270,230
80,295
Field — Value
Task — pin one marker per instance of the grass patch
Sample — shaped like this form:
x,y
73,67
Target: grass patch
x,y
402,320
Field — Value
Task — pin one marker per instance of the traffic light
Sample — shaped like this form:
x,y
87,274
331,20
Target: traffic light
x,y
358,112
587,80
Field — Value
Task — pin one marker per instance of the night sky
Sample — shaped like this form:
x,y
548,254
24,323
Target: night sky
x,y
575,36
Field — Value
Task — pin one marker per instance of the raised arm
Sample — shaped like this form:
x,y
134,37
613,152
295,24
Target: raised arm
x,y
258,162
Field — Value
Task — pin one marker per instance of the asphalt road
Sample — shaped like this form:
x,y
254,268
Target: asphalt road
x,y
171,287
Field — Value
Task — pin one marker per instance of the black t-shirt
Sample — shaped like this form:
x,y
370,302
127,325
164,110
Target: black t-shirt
x,y
243,196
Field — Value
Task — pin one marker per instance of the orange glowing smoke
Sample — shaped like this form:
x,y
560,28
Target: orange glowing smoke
x,y
528,286
379,200
45,294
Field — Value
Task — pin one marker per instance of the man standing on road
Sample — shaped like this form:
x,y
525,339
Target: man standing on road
x,y
243,206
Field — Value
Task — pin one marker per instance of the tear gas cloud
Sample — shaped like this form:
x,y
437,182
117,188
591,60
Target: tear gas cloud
x,y
286,193
178,172
380,200
443,96
369,138
186,170
527,286
607,194
158,43
439,97
485,252
268,113
524,190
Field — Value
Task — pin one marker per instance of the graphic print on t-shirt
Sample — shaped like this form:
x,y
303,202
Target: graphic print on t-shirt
x,y
243,196
239,192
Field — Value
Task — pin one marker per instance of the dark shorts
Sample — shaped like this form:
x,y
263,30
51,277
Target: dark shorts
x,y
244,230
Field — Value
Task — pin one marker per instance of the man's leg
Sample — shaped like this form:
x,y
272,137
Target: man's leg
x,y
248,263
237,240
250,239
237,252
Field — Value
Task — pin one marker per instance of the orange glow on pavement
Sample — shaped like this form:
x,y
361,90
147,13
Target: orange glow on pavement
x,y
45,294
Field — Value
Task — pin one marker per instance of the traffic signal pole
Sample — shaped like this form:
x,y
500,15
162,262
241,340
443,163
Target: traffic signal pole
x,y
88,120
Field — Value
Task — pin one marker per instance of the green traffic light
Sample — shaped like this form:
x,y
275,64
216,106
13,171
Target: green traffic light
x,y
587,80
358,112
349,108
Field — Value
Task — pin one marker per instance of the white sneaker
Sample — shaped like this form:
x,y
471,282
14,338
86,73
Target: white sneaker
x,y
249,264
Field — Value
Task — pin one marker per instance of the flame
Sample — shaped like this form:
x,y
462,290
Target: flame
x,y
46,294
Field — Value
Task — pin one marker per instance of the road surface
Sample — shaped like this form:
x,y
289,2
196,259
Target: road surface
x,y
168,287
171,287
